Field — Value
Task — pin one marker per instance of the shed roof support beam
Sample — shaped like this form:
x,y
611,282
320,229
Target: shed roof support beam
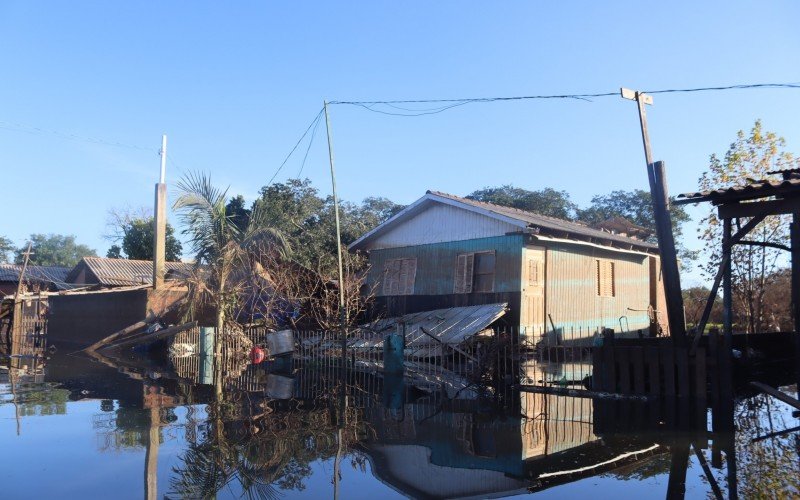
x,y
770,207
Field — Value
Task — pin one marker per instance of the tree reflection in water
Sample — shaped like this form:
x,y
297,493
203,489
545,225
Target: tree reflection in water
x,y
262,448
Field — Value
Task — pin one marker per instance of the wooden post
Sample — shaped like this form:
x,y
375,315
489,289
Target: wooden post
x,y
656,175
669,256
727,285
794,229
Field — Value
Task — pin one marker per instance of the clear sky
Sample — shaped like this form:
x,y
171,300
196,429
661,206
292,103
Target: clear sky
x,y
234,84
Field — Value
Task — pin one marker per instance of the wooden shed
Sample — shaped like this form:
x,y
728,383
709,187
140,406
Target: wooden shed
x,y
560,278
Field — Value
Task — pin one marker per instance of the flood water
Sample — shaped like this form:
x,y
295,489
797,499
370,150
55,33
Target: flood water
x,y
76,427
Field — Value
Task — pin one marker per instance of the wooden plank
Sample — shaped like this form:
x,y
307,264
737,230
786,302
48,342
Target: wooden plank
x,y
609,369
653,367
701,386
152,336
682,362
775,393
637,359
597,370
114,336
773,207
624,367
712,366
667,358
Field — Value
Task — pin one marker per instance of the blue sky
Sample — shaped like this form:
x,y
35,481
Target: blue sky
x,y
234,84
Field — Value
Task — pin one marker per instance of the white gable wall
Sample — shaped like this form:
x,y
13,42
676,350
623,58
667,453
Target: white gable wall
x,y
440,223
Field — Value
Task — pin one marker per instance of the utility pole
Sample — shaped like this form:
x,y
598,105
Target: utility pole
x,y
656,175
342,319
27,255
342,310
160,221
17,318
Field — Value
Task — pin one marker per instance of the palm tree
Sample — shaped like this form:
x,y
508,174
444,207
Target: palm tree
x,y
220,245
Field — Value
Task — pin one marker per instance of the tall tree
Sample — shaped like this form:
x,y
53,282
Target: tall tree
x,y
636,206
306,219
547,201
6,248
754,268
137,242
131,231
54,250
238,212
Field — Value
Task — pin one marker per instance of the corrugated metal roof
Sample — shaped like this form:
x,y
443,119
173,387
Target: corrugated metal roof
x,y
431,329
753,189
521,218
120,272
45,274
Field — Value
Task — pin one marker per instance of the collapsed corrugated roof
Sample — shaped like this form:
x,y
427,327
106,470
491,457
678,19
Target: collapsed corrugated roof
x,y
431,329
530,221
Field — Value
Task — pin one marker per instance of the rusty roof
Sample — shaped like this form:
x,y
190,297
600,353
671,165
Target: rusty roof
x,y
753,189
121,272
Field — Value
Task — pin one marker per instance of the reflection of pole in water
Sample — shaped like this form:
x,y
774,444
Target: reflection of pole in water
x,y
676,485
151,456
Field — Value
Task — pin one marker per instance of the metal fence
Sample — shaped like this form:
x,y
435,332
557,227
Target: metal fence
x,y
491,360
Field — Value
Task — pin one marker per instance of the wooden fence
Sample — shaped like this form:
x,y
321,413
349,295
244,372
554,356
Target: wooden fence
x,y
661,369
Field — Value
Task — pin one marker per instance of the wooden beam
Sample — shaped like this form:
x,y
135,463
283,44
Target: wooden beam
x,y
669,257
727,285
754,209
712,298
794,234
775,393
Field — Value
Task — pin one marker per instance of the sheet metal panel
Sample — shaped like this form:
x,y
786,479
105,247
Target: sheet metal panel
x,y
571,291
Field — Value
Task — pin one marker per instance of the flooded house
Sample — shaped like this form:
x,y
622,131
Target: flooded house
x,y
559,278
113,294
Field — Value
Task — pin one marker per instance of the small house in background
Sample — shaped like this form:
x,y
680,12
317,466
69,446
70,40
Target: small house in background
x,y
109,272
37,278
560,278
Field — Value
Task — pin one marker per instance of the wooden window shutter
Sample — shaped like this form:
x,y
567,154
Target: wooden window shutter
x,y
465,265
408,274
390,277
399,276
605,278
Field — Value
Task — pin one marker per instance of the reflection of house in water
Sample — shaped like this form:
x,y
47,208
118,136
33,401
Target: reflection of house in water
x,y
460,452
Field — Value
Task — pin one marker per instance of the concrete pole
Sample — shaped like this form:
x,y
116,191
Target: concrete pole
x,y
160,222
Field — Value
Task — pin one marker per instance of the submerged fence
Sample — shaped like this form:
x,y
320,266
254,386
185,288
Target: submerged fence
x,y
487,362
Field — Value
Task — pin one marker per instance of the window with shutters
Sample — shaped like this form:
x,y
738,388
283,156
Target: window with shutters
x,y
474,272
605,278
399,276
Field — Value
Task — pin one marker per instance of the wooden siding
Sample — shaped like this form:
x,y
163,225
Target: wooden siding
x,y
439,224
436,263
571,291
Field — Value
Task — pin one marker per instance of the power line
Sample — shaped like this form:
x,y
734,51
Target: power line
x,y
31,129
452,103
310,142
297,144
